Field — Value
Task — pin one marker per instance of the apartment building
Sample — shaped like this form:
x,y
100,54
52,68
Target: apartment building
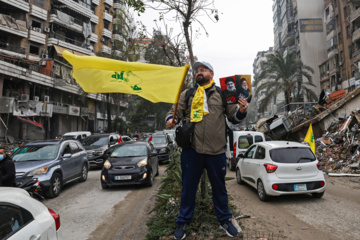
x,y
298,26
38,96
341,68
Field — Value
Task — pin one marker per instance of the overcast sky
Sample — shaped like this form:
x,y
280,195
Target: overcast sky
x,y
244,28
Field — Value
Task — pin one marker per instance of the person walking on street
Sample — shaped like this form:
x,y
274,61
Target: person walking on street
x,y
7,169
206,110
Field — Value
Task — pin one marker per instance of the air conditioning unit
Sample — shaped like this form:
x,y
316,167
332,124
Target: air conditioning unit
x,y
112,40
46,29
24,97
36,98
38,30
46,99
102,39
340,63
42,63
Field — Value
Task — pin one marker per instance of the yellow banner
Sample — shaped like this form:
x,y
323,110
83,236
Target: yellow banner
x,y
156,83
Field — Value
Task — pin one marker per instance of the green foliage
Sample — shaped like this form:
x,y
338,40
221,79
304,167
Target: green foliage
x,y
284,74
204,224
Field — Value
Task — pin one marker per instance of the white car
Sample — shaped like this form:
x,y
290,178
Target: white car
x,y
277,168
23,217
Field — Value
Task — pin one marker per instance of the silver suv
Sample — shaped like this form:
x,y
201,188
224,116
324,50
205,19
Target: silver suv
x,y
53,162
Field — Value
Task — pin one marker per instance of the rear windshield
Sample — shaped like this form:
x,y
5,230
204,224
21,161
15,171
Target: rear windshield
x,y
292,155
96,141
245,141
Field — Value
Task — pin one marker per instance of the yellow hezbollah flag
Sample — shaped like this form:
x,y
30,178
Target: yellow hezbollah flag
x,y
310,138
156,83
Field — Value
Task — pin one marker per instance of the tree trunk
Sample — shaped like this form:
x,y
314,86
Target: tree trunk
x,y
108,112
186,25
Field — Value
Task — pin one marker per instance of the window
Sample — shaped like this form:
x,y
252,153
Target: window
x,y
74,148
245,141
12,219
260,153
36,24
250,152
258,139
292,155
34,50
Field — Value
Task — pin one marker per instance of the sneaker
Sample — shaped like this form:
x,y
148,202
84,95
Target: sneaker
x,y
180,231
229,228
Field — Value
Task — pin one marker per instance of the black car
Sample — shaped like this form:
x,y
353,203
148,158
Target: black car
x,y
130,163
164,146
96,146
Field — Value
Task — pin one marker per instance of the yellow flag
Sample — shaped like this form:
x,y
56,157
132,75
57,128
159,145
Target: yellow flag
x,y
310,138
156,83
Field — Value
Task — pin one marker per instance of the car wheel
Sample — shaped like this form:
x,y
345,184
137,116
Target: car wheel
x,y
238,176
55,186
84,173
151,180
104,186
261,191
318,195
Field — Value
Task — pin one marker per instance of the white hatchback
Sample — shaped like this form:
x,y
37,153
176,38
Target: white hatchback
x,y
23,217
277,168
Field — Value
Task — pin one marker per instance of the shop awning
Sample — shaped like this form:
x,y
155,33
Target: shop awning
x,y
31,123
59,51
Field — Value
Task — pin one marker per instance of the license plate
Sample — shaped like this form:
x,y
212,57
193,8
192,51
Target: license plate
x,y
125,177
300,187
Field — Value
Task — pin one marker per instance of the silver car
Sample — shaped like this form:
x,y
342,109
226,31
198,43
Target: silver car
x,y
53,162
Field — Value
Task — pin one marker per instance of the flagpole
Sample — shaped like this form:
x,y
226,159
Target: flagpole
x,y
178,95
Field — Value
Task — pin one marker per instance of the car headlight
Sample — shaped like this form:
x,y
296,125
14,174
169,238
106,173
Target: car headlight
x,y
142,163
38,171
101,152
163,150
107,164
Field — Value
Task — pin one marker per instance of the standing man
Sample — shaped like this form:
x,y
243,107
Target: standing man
x,y
7,169
205,108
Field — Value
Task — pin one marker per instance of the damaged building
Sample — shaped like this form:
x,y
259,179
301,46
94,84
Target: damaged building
x,y
38,97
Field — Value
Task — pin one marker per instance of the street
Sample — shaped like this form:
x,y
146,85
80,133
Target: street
x,y
88,212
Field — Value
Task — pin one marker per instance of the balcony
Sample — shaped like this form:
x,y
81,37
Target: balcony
x,y
109,2
35,35
38,12
287,38
18,29
108,17
62,41
332,51
107,33
94,19
94,38
96,2
118,37
13,50
20,4
81,8
356,35
120,6
106,49
67,21
355,15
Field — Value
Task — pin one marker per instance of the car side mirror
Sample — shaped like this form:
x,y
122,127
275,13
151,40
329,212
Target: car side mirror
x,y
67,155
241,155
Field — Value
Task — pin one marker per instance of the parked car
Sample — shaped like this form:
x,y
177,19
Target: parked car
x,y
126,138
277,168
76,135
134,162
23,217
53,162
238,143
164,146
96,146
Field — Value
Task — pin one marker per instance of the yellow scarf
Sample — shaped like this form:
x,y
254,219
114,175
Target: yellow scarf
x,y
199,106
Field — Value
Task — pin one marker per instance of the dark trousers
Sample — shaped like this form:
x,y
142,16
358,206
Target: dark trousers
x,y
192,166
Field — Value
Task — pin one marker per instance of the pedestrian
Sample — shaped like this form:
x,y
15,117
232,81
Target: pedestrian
x,y
7,169
208,147
19,144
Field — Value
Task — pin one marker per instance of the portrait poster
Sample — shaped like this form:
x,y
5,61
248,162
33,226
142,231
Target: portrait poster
x,y
235,87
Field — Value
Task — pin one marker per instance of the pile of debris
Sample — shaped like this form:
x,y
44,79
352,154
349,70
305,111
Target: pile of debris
x,y
339,149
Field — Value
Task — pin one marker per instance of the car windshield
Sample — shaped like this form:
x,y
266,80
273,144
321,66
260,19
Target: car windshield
x,y
129,151
96,141
292,155
158,140
245,141
35,153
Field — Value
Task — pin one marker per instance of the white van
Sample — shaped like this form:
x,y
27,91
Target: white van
x,y
76,135
239,143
